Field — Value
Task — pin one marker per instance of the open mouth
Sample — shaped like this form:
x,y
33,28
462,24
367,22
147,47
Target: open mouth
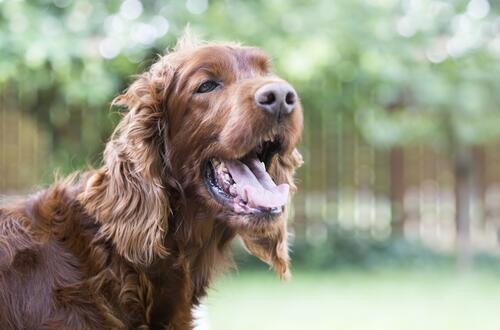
x,y
244,185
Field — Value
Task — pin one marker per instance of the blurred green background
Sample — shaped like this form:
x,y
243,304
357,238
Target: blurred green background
x,y
397,221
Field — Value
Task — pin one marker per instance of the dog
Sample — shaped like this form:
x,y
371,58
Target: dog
x,y
205,153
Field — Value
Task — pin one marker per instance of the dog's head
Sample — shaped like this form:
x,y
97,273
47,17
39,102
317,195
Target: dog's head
x,y
212,124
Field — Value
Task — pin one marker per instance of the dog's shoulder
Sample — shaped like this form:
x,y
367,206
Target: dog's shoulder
x,y
15,235
30,222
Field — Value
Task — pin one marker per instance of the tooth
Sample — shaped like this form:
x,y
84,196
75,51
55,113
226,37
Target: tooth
x,y
244,197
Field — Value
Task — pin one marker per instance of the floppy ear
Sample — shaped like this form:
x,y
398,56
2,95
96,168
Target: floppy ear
x,y
128,196
270,243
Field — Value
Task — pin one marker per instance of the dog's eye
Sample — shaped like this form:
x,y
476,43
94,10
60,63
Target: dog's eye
x,y
207,86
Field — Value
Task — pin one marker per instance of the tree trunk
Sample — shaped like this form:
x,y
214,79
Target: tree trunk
x,y
397,190
480,182
396,176
464,189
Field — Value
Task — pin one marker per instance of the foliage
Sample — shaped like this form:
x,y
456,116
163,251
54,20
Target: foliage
x,y
349,249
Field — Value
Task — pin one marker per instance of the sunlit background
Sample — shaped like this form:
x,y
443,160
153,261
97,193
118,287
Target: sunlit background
x,y
397,221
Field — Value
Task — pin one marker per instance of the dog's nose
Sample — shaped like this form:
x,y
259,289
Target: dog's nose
x,y
276,98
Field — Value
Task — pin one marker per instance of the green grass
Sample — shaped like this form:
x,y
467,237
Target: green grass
x,y
388,300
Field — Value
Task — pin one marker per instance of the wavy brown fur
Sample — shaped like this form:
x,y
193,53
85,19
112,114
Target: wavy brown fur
x,y
134,244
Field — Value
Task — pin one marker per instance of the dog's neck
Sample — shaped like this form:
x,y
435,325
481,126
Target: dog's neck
x,y
200,239
196,247
191,263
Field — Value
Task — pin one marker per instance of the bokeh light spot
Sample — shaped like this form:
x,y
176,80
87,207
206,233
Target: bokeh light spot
x,y
131,9
196,6
109,48
478,8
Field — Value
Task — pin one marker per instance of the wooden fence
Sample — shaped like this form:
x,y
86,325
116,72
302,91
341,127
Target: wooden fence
x,y
345,182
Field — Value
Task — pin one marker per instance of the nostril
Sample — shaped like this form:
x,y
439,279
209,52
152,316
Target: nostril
x,y
267,98
290,98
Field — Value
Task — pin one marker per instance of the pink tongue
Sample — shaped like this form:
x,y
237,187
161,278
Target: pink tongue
x,y
253,181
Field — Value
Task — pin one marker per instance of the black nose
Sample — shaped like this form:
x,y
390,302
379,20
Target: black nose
x,y
277,99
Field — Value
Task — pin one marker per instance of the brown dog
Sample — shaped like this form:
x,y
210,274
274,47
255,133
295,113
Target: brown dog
x,y
206,152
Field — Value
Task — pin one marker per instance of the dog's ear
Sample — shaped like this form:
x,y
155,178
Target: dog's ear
x,y
270,246
270,243
128,195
